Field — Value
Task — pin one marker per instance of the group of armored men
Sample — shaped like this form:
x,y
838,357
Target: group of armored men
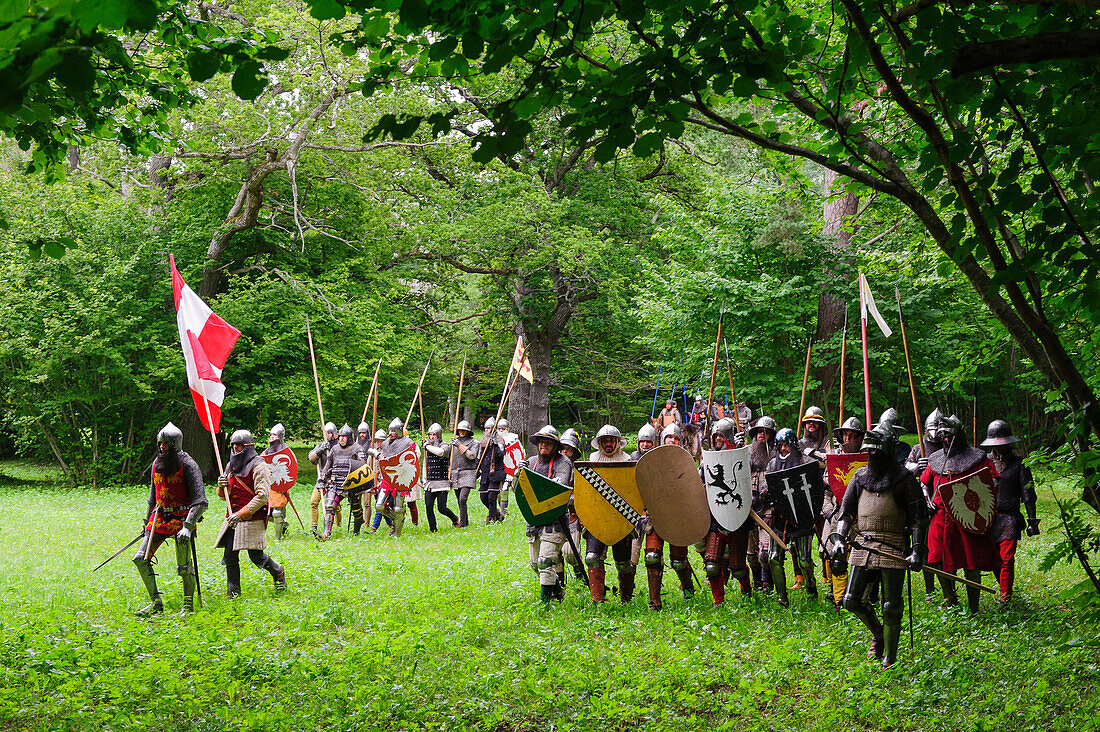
x,y
891,518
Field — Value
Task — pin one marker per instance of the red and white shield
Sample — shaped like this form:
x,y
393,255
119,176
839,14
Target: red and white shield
x,y
971,500
513,457
402,471
284,470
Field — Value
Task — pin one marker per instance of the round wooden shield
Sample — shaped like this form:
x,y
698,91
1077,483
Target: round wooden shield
x,y
284,469
607,500
674,496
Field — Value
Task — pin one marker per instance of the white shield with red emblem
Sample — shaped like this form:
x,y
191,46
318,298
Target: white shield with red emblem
x,y
402,471
284,470
513,457
971,500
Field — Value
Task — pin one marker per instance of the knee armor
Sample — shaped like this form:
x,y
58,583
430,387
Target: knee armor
x,y
775,553
547,562
185,569
592,559
714,570
653,559
680,564
624,567
892,612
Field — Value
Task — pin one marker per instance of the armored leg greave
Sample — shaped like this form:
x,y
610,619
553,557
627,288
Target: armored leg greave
x,y
855,602
187,573
973,594
398,514
948,588
893,582
678,558
596,586
779,574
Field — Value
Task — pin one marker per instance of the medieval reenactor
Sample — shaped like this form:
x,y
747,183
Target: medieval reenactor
x,y
277,501
492,472
343,458
950,545
724,552
609,444
505,437
884,509
392,498
787,456
691,439
377,504
654,543
669,415
318,455
464,468
815,440
1013,488
176,502
849,440
892,419
916,463
245,485
437,485
761,449
571,448
698,416
545,542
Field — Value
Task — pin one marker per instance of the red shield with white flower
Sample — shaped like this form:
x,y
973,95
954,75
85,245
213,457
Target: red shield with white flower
x,y
513,457
971,500
284,470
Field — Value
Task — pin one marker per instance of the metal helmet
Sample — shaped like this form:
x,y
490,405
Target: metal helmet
x,y
786,435
698,397
764,423
171,435
672,429
345,431
278,430
502,424
890,418
724,427
951,426
435,429
546,433
571,438
363,427
397,426
999,433
608,430
464,425
879,438
241,437
490,424
647,433
814,414
329,427
380,435
852,424
932,422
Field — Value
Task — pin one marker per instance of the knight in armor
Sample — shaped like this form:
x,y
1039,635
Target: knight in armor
x,y
1013,488
545,541
176,502
950,546
892,420
395,443
698,416
506,438
342,460
787,456
245,485
654,543
849,440
277,501
669,415
571,448
761,450
724,552
814,445
318,455
609,444
379,501
464,458
492,472
915,463
884,508
437,485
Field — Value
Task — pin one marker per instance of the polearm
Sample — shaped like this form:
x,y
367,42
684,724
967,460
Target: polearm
x,y
805,382
133,541
320,412
653,412
291,502
418,385
370,394
458,411
572,545
843,353
909,368
733,397
714,371
767,529
866,371
500,410
946,575
195,564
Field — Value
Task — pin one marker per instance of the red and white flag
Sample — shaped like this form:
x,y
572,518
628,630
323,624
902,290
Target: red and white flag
x,y
206,340
867,304
521,363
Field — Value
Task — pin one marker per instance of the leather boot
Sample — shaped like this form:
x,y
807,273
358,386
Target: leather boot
x,y
686,583
891,635
757,577
626,585
973,594
546,594
717,588
278,573
653,576
779,577
596,586
232,590
357,526
559,588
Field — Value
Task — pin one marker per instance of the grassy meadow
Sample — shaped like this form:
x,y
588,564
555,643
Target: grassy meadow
x,y
445,631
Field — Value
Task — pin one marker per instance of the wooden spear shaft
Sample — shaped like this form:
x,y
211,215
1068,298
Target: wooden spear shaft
x,y
714,371
805,382
500,410
866,369
418,385
458,412
843,352
733,397
909,368
316,381
370,394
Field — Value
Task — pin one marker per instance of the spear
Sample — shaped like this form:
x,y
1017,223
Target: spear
x,y
866,369
733,397
714,369
805,381
316,381
843,351
909,368
458,411
418,385
373,386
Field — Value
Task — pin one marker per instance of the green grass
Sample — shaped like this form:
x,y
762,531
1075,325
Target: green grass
x,y
444,631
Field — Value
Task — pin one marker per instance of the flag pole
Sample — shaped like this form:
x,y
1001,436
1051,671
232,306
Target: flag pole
x,y
713,371
316,381
843,353
909,368
458,413
373,386
500,410
805,382
733,397
419,384
863,329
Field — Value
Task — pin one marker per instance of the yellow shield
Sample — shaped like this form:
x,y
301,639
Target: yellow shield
x,y
607,499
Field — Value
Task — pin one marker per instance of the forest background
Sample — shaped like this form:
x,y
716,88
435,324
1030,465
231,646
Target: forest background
x,y
315,159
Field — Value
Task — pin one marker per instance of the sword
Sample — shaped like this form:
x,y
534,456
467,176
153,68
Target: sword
x,y
132,542
909,590
195,562
572,545
291,502
946,575
767,529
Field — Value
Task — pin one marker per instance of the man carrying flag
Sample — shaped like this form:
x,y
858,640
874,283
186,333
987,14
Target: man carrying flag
x,y
867,305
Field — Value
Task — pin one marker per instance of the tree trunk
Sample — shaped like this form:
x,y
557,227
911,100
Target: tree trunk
x,y
830,308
